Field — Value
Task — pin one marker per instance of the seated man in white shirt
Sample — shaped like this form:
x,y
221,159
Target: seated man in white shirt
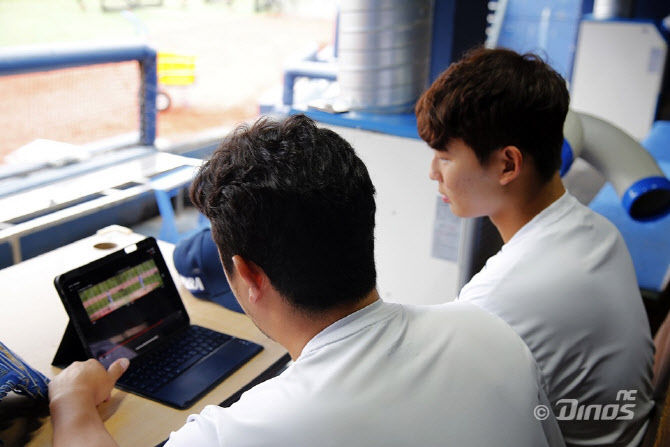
x,y
563,280
293,215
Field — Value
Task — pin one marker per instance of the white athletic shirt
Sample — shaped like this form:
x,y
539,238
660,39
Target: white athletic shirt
x,y
566,284
392,375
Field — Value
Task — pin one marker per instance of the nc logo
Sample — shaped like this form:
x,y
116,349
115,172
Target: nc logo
x,y
571,410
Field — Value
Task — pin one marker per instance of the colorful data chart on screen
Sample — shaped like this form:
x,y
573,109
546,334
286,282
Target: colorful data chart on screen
x,y
117,291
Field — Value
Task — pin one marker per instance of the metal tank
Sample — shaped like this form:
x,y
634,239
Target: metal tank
x,y
383,53
612,9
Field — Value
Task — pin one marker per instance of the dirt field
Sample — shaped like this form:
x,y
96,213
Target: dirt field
x,y
238,59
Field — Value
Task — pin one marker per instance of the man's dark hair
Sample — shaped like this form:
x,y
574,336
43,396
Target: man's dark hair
x,y
496,98
297,201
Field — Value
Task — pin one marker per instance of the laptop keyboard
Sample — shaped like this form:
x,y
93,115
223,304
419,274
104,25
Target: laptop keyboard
x,y
155,369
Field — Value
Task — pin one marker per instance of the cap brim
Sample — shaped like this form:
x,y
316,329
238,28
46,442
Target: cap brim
x,y
227,300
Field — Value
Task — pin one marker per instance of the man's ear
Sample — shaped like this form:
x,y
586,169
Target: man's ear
x,y
253,276
511,162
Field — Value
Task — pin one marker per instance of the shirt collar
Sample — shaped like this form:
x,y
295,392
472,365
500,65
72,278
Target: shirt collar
x,y
546,217
351,324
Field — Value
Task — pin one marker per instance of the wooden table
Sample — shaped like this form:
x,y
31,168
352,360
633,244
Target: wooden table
x,y
33,320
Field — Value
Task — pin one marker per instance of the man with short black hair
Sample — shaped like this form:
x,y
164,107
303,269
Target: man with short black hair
x,y
293,215
564,280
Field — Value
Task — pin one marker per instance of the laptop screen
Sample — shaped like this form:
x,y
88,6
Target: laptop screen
x,y
120,290
123,303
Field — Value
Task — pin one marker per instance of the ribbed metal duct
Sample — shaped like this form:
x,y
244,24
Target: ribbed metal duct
x,y
384,53
612,9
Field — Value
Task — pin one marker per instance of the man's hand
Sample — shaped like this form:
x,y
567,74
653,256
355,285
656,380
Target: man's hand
x,y
74,395
87,380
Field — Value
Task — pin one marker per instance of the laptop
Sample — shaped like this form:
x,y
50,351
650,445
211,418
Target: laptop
x,y
126,305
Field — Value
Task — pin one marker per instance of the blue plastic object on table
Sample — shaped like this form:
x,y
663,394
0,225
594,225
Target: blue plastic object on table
x,y
401,124
165,187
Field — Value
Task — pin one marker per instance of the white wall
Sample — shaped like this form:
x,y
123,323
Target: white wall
x,y
406,207
618,72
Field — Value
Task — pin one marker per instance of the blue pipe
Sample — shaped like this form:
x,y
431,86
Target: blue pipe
x,y
306,69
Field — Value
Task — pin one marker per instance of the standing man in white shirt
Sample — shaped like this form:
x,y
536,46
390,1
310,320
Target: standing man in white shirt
x,y
563,280
293,215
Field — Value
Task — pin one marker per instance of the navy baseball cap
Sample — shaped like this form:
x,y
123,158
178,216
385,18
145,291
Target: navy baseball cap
x,y
196,259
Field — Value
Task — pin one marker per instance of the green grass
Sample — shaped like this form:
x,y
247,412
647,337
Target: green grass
x,y
24,22
47,21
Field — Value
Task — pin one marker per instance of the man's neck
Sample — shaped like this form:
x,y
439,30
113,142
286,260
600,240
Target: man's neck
x,y
303,327
525,205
